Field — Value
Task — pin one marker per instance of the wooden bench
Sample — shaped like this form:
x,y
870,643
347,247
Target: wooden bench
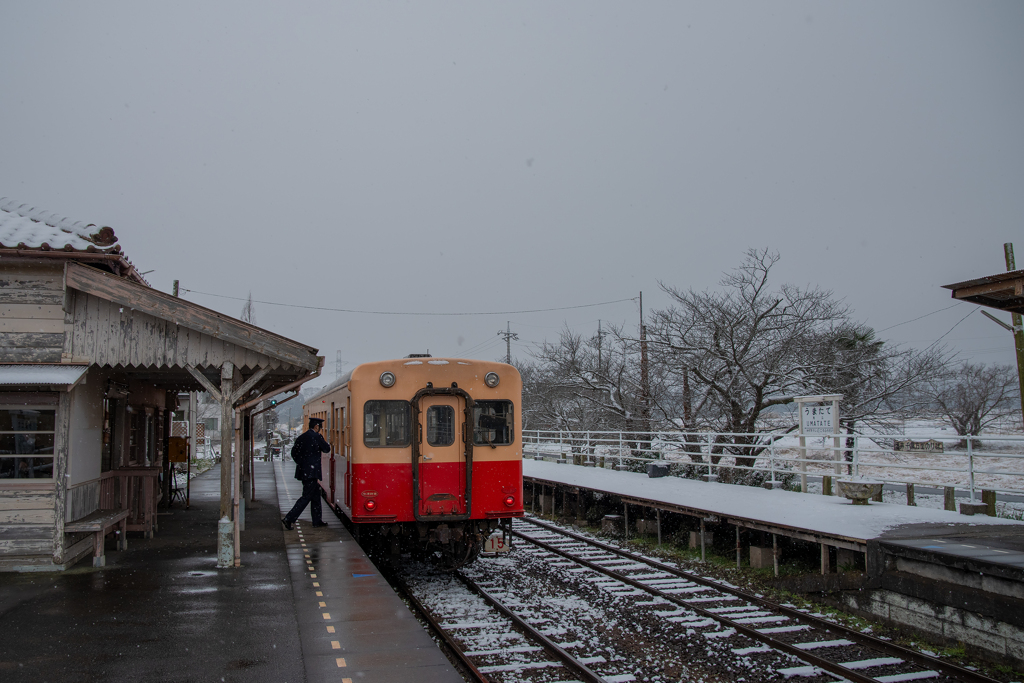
x,y
99,524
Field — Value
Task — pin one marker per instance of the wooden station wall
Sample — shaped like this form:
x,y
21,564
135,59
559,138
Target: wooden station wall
x,y
31,312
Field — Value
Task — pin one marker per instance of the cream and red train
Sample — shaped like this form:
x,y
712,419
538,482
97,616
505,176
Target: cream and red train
x,y
426,452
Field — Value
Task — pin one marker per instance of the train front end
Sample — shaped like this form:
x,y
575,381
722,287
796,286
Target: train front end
x,y
439,461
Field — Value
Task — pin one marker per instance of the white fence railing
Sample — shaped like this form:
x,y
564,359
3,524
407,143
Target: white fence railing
x,y
989,462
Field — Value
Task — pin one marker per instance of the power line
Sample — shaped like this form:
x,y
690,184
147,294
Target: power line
x,y
951,329
351,310
916,318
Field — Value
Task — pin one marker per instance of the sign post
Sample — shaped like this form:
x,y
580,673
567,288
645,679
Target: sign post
x,y
818,419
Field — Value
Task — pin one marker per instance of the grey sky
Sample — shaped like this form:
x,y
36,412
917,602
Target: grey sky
x,y
507,156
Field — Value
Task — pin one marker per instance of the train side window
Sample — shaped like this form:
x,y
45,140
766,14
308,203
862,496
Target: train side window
x,y
492,423
386,424
440,425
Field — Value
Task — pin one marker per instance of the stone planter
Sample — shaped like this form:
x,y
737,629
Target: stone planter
x,y
859,491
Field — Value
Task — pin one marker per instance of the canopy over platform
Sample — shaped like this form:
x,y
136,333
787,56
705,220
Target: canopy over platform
x,y
1003,291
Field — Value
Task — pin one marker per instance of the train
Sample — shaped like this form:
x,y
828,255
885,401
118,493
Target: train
x,y
426,453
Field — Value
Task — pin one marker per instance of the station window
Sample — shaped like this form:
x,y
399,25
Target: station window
x,y
386,424
26,443
440,425
492,423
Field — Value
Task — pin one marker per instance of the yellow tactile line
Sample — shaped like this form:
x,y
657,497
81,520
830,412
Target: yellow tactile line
x,y
335,644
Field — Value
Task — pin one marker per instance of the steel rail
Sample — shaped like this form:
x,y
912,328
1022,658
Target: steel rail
x,y
918,658
567,659
749,631
459,653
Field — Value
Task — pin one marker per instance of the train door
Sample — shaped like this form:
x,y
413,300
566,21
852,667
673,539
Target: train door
x,y
342,451
334,450
441,463
348,452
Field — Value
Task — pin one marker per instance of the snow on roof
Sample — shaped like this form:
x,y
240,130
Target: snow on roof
x,y
25,227
829,515
41,374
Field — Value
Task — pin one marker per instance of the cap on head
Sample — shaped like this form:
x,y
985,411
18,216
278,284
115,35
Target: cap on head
x,y
315,422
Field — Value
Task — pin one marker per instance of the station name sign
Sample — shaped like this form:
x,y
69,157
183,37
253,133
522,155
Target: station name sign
x,y
816,419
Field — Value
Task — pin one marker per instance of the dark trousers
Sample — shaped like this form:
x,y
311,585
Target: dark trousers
x,y
310,496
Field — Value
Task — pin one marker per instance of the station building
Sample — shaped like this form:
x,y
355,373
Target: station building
x,y
92,359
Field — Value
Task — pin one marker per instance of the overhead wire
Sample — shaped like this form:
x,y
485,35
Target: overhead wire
x,y
951,329
467,313
919,318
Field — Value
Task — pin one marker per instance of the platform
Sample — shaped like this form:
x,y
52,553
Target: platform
x,y
823,519
351,623
161,611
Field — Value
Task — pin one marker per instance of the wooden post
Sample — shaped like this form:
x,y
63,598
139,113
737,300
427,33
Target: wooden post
x,y
910,495
227,434
658,512
949,498
825,564
193,440
625,506
702,540
989,499
246,441
738,547
1018,327
775,554
237,489
803,454
61,439
826,485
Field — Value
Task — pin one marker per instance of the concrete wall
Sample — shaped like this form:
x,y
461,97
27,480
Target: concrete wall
x,y
992,637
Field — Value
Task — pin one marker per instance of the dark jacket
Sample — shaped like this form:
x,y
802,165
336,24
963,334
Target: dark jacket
x,y
306,453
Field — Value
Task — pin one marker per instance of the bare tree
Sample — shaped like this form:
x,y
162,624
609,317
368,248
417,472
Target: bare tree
x,y
880,383
589,383
973,396
747,347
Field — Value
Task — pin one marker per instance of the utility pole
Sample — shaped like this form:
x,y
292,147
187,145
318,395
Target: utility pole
x,y
600,361
509,335
645,386
174,289
1018,330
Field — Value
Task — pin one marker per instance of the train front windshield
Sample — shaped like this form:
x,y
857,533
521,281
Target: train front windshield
x,y
492,423
386,424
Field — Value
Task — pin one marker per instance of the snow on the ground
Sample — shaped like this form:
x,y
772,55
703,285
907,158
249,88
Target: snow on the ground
x,y
825,514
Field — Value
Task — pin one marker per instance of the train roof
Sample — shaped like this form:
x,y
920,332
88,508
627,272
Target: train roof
x,y
417,360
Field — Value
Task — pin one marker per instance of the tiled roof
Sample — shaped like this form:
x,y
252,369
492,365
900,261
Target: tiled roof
x,y
24,227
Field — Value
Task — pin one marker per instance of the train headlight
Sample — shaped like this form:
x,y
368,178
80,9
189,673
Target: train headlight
x,y
491,379
370,505
510,500
387,379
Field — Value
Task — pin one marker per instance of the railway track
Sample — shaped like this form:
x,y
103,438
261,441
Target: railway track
x,y
491,640
753,627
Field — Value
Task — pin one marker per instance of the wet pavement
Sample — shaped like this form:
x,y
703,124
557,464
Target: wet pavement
x,y
161,611
352,625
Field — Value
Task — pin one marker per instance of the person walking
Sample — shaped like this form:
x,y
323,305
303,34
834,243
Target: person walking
x,y
306,454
